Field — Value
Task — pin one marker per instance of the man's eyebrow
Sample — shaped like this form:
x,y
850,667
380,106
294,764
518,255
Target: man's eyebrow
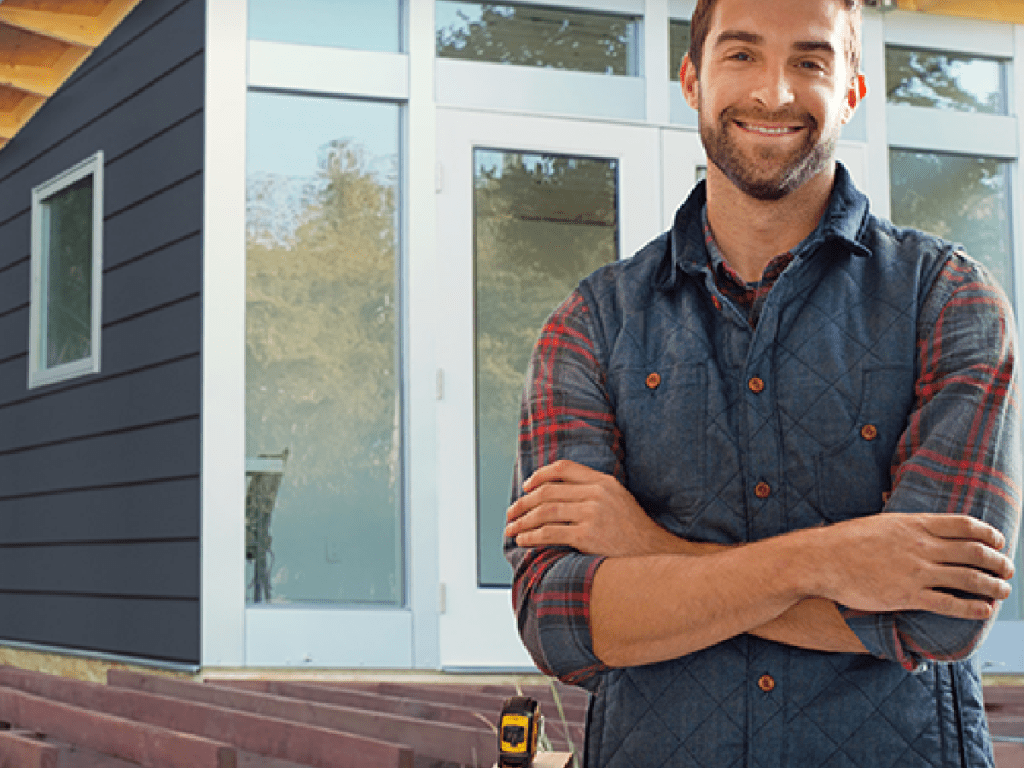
x,y
814,46
736,35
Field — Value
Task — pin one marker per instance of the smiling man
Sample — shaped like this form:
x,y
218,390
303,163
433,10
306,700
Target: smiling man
x,y
768,484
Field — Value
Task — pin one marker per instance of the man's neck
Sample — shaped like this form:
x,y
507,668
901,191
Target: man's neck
x,y
750,233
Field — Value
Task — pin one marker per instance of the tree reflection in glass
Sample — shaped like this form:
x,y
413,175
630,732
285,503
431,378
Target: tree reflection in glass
x,y
961,198
322,350
542,222
942,80
539,36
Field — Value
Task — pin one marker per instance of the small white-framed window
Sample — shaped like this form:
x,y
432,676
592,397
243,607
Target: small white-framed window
x,y
67,269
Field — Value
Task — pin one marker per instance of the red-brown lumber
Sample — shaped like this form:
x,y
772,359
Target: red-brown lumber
x,y
455,694
273,737
1004,699
147,745
467,745
25,749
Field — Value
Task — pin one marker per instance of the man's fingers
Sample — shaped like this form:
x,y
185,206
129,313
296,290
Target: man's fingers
x,y
972,581
964,527
957,607
980,556
561,471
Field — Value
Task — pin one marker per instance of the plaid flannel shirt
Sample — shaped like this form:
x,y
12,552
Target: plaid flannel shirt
x,y
950,458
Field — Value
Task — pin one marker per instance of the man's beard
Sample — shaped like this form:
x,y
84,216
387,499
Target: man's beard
x,y
794,168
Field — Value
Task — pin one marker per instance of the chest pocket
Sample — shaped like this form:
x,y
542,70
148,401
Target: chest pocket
x,y
661,412
853,473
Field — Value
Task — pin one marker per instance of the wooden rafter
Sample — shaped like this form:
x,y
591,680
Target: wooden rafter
x,y
42,42
1009,11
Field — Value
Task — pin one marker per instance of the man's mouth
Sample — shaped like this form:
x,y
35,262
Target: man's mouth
x,y
769,130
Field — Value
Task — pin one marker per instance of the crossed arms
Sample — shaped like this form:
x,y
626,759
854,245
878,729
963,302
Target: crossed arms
x,y
586,553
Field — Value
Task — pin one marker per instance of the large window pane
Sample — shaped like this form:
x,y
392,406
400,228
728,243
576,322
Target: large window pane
x,y
366,25
542,222
323,406
67,238
539,36
678,45
961,198
949,81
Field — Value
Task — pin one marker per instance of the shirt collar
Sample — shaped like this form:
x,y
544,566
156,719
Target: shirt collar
x,y
844,221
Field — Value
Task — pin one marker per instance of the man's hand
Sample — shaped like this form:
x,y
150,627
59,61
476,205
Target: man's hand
x,y
895,562
569,504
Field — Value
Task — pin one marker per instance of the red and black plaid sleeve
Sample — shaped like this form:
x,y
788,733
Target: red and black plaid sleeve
x,y
961,451
565,415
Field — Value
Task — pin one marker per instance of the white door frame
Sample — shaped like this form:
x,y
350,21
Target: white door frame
x,y
477,626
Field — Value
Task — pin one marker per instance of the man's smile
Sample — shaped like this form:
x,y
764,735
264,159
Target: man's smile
x,y
769,130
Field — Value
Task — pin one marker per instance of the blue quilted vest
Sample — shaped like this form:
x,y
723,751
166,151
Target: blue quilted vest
x,y
809,405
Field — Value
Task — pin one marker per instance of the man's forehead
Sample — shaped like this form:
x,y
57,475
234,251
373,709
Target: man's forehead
x,y
810,24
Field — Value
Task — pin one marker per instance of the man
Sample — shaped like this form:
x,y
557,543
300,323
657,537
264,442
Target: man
x,y
769,473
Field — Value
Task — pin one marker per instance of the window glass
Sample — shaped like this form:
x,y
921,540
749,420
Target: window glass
x,y
67,239
542,222
961,198
678,45
323,403
539,36
367,25
943,80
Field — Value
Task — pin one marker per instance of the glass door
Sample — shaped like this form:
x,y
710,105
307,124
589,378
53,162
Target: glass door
x,y
526,208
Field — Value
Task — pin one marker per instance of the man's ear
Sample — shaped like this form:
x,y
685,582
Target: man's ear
x,y
855,95
689,81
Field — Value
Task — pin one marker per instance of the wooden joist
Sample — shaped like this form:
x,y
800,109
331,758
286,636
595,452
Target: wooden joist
x,y
149,746
470,745
270,736
26,749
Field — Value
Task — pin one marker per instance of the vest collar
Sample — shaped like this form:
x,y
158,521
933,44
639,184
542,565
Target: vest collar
x,y
844,221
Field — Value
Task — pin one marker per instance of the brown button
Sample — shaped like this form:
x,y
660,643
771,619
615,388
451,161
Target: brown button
x,y
766,683
653,380
869,431
762,490
717,303
756,385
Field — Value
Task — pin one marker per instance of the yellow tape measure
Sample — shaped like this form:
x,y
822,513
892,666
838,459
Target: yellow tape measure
x,y
518,730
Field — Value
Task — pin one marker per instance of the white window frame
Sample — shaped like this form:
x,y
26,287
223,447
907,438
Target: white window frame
x,y
38,373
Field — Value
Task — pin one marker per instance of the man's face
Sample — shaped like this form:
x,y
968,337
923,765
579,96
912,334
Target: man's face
x,y
774,92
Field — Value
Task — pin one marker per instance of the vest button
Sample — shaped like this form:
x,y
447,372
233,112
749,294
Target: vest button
x,y
756,385
766,683
653,380
869,431
762,490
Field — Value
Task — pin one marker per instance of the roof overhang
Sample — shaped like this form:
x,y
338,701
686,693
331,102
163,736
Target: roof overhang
x,y
42,42
1009,11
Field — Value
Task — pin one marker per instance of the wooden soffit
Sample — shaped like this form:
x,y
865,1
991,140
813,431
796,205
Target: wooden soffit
x,y
42,42
1011,11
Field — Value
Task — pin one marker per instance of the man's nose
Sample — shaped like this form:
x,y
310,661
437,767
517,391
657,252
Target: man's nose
x,y
773,89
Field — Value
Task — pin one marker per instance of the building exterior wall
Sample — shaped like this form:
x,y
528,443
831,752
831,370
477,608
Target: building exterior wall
x,y
99,475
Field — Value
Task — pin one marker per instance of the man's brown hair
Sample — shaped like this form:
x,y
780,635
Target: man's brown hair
x,y
700,24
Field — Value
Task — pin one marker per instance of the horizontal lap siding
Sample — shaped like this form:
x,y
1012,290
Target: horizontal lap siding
x,y
99,475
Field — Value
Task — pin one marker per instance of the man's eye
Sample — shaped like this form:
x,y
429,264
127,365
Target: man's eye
x,y
741,56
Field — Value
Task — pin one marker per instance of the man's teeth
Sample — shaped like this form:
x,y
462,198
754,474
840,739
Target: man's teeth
x,y
769,131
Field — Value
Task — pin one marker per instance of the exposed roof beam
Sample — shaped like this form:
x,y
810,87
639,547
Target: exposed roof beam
x,y
69,28
39,81
1009,11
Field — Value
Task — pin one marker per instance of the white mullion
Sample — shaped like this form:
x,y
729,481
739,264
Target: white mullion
x,y
222,597
656,64
422,297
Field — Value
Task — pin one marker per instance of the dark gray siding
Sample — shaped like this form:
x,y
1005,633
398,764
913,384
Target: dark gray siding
x,y
99,476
